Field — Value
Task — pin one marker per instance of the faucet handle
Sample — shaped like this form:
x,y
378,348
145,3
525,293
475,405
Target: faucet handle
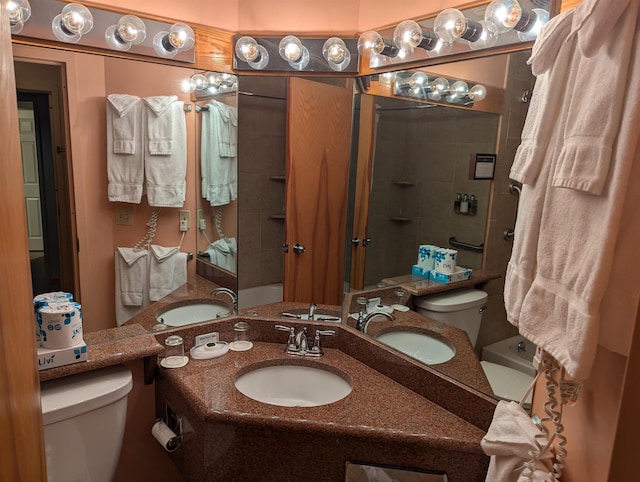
x,y
316,349
291,342
325,333
284,328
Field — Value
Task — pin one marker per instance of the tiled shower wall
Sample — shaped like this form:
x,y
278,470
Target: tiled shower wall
x,y
261,169
421,162
501,216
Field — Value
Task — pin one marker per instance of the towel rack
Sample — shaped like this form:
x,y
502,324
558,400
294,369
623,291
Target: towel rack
x,y
515,189
478,248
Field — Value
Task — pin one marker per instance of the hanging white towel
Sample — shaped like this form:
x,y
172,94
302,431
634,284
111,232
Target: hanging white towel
x,y
125,160
219,168
222,252
131,282
165,151
168,271
570,234
509,439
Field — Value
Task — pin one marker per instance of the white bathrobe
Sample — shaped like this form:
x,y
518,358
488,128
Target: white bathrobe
x,y
578,163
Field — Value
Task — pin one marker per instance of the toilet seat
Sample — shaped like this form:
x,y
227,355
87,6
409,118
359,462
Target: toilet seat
x,y
507,383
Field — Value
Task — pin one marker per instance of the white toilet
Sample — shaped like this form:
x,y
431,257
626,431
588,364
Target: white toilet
x,y
463,309
84,418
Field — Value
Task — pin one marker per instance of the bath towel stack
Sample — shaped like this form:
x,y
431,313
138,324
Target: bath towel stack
x,y
146,140
573,280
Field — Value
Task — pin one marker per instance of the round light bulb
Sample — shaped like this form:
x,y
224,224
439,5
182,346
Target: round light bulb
x,y
488,37
459,89
131,29
440,86
290,48
449,25
542,17
441,48
181,36
246,49
199,82
19,12
504,14
407,35
72,23
387,78
370,42
478,92
336,53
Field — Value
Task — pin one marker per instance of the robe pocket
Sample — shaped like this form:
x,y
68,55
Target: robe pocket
x,y
160,148
583,166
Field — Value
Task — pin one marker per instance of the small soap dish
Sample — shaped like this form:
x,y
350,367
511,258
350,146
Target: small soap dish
x,y
209,350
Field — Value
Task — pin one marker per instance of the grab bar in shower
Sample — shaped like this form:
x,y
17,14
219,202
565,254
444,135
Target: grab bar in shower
x,y
478,248
515,189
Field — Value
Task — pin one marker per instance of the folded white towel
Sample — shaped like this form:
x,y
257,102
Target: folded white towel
x,y
131,282
222,253
219,173
168,271
166,151
509,439
227,128
125,160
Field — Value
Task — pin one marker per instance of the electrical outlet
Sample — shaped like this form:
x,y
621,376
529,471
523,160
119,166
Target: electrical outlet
x,y
184,219
202,222
207,338
124,215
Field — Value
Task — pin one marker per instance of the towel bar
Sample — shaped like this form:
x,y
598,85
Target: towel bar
x,y
478,248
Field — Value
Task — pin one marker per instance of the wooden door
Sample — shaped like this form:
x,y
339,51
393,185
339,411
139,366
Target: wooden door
x,y
21,443
366,147
318,151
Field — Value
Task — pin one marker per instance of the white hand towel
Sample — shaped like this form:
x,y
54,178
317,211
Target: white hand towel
x,y
125,160
222,253
221,177
227,129
166,151
131,283
509,439
168,271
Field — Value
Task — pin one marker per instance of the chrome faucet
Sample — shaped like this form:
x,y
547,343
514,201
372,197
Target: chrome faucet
x,y
363,323
231,294
298,344
312,311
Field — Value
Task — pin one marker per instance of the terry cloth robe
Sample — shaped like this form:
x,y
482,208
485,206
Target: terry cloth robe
x,y
165,151
578,164
125,159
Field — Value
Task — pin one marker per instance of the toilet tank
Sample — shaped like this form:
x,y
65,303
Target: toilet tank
x,y
461,308
84,418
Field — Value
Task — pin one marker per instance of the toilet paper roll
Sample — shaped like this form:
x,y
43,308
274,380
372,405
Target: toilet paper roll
x,y
44,299
165,436
60,325
446,261
427,256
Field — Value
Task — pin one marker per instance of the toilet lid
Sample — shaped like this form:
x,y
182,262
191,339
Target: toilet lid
x,y
456,300
68,397
507,383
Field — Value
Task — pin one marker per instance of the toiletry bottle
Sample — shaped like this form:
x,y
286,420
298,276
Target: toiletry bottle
x,y
456,203
464,205
473,205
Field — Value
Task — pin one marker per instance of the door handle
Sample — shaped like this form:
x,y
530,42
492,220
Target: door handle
x,y
355,241
298,248
367,241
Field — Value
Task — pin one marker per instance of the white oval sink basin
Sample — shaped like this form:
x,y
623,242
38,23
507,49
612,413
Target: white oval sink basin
x,y
293,386
420,346
191,313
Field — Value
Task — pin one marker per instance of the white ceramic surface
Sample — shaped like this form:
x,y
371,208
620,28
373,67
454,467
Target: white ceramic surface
x,y
293,386
192,313
420,346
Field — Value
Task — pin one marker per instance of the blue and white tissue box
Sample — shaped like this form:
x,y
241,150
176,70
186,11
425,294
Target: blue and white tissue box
x,y
58,357
460,274
417,270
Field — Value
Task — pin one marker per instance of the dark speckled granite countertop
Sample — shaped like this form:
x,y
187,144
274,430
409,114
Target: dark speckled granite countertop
x,y
371,408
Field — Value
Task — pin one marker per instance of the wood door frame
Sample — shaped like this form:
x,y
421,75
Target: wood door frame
x,y
22,441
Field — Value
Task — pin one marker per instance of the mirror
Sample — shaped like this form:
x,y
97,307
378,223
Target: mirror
x,y
421,160
78,98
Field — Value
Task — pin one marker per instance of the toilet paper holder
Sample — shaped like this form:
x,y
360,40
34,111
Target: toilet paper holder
x,y
179,425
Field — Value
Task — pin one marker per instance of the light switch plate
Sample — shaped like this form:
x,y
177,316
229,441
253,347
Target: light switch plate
x,y
124,216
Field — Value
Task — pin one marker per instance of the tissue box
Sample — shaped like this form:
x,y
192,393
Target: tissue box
x,y
460,274
52,358
419,271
